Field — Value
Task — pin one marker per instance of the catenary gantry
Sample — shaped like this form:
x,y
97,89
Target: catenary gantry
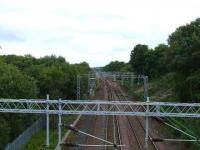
x,y
100,107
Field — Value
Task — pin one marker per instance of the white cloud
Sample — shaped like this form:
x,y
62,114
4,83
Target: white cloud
x,y
96,31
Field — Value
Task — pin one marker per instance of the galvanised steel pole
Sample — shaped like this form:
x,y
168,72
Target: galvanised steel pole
x,y
59,124
147,125
47,122
145,78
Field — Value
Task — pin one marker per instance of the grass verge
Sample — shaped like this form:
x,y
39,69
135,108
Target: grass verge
x,y
37,142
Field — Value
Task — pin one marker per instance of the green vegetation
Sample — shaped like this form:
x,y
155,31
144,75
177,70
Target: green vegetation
x,y
180,58
14,84
37,142
148,61
28,77
117,66
173,70
161,90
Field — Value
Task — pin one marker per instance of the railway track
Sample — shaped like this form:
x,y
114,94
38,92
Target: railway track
x,y
113,131
117,129
132,135
117,132
105,127
135,123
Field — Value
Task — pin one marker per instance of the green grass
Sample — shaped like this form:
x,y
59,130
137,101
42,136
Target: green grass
x,y
37,142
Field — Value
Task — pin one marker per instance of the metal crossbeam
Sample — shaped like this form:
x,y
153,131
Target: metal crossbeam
x,y
119,75
99,107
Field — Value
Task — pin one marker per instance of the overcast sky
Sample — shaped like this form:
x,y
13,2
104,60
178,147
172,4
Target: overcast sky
x,y
96,31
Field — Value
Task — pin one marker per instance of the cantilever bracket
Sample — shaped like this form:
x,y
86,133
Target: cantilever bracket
x,y
70,127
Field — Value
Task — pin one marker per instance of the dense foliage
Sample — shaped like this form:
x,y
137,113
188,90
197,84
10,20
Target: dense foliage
x,y
174,72
28,77
116,66
14,84
148,61
180,58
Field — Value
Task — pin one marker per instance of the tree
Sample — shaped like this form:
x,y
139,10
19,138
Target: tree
x,y
184,59
156,61
137,58
184,52
28,77
114,66
14,84
82,68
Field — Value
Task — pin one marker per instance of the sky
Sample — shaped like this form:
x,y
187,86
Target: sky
x,y
95,31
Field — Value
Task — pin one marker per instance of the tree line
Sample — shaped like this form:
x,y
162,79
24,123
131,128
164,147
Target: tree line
x,y
179,59
29,77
